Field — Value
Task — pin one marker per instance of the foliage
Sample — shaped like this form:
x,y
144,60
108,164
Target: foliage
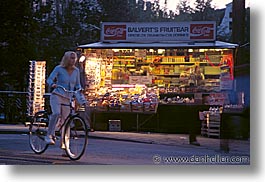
x,y
16,43
32,29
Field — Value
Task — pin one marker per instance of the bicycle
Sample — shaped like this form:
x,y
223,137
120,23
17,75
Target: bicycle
x,y
74,131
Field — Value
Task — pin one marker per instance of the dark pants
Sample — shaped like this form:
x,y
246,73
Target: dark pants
x,y
193,130
194,123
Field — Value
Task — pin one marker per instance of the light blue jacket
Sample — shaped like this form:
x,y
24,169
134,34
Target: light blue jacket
x,y
60,76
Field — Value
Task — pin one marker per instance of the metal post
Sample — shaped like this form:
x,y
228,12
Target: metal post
x,y
137,122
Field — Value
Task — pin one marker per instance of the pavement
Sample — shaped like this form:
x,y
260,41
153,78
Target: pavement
x,y
241,147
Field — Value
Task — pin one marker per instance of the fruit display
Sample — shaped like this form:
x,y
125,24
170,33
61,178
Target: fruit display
x,y
177,100
167,71
134,99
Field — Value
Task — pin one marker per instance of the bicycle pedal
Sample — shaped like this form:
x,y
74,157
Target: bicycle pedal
x,y
55,138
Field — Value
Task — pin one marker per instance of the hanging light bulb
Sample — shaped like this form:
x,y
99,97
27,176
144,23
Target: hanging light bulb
x,y
82,59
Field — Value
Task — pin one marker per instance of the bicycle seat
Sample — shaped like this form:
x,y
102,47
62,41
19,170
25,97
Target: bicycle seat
x,y
41,112
42,116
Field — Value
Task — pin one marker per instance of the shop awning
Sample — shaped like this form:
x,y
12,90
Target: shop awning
x,y
103,45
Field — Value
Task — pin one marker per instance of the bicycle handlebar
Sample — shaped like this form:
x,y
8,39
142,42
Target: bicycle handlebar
x,y
69,91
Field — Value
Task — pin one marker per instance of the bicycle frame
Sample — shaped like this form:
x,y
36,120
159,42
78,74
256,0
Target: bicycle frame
x,y
71,105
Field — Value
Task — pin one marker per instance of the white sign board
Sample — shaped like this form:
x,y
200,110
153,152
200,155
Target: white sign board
x,y
134,80
158,31
140,80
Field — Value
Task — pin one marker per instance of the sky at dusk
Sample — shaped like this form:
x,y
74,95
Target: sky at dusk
x,y
219,4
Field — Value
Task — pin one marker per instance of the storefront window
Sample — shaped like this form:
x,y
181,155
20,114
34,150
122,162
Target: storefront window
x,y
179,71
184,70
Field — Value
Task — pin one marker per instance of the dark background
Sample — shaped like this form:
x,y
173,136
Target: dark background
x,y
31,30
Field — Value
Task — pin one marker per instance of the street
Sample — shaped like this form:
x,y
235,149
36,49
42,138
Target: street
x,y
15,150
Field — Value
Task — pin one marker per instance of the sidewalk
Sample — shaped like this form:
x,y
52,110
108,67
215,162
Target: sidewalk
x,y
236,146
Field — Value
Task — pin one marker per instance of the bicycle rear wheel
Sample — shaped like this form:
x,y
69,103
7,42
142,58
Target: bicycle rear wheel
x,y
37,132
75,137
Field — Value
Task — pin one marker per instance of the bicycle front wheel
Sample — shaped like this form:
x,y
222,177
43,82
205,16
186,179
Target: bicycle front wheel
x,y
75,137
37,132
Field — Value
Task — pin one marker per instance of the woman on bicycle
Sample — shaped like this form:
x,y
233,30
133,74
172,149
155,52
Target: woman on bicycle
x,y
66,75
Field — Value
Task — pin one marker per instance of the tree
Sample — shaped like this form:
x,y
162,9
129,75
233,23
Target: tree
x,y
64,26
157,15
183,11
90,16
247,26
42,30
16,42
116,10
183,7
203,11
134,11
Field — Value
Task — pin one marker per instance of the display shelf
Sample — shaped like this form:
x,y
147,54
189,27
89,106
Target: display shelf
x,y
167,74
124,60
211,122
142,63
175,63
164,69
123,57
207,63
36,88
123,65
186,63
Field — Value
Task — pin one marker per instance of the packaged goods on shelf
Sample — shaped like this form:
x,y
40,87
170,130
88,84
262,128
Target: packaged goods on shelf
x,y
170,70
177,100
216,99
233,108
211,122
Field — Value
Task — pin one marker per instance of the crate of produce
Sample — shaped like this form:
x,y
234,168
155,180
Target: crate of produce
x,y
210,129
114,125
114,108
150,107
137,107
125,107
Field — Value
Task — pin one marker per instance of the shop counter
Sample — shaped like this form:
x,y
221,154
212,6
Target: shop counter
x,y
180,118
169,118
130,121
234,125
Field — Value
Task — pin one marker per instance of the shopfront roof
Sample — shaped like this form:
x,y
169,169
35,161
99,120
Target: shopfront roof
x,y
103,45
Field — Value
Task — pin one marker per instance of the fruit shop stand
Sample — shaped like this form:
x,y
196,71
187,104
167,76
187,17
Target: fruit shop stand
x,y
135,114
154,66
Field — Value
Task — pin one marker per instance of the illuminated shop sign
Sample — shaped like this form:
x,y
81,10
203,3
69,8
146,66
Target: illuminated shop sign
x,y
158,32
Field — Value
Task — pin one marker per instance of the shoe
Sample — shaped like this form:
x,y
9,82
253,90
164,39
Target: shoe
x,y
49,140
64,154
195,143
63,146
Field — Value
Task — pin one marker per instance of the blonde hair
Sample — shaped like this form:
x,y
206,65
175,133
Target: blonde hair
x,y
66,58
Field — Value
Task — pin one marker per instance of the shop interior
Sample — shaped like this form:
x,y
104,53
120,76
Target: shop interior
x,y
122,78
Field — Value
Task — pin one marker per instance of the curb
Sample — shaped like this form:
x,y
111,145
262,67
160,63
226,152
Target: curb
x,y
12,132
119,139
7,131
